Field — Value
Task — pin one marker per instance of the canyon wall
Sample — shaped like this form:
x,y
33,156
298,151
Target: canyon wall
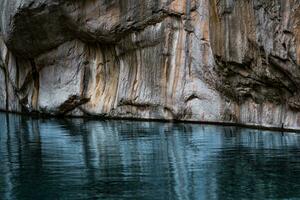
x,y
235,61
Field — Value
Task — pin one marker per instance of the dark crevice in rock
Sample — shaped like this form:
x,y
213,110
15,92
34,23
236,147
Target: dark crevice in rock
x,y
36,81
28,79
229,116
136,104
85,80
294,103
73,102
17,74
24,104
169,110
193,97
22,92
280,65
4,68
86,113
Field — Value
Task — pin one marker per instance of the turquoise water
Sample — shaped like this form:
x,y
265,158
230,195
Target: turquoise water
x,y
80,159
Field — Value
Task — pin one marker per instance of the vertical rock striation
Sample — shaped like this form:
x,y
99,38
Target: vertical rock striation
x,y
196,60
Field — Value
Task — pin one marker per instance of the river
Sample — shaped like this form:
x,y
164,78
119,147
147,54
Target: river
x,y
92,159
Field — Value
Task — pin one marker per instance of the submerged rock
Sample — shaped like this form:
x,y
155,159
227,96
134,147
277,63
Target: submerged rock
x,y
198,60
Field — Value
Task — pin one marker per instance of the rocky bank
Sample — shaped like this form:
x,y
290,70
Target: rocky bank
x,y
196,60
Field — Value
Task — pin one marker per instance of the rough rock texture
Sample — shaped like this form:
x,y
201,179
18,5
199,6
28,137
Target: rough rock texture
x,y
199,60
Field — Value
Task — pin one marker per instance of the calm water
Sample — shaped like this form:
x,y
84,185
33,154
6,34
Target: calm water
x,y
79,159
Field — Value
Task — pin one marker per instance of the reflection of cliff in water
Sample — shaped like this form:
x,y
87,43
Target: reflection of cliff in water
x,y
146,160
257,164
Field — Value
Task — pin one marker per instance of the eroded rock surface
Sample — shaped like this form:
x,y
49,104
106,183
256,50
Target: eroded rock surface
x,y
198,60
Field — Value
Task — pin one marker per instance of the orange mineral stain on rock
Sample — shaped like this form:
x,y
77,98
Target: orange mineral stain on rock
x,y
178,6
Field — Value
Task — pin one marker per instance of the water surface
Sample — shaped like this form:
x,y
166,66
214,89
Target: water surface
x,y
80,159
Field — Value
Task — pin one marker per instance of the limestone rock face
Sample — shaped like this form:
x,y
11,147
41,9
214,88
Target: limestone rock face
x,y
196,60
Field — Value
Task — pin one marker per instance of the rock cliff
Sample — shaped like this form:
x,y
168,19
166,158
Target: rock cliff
x,y
196,60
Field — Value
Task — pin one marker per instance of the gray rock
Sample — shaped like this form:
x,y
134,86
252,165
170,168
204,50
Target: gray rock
x,y
2,90
194,60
